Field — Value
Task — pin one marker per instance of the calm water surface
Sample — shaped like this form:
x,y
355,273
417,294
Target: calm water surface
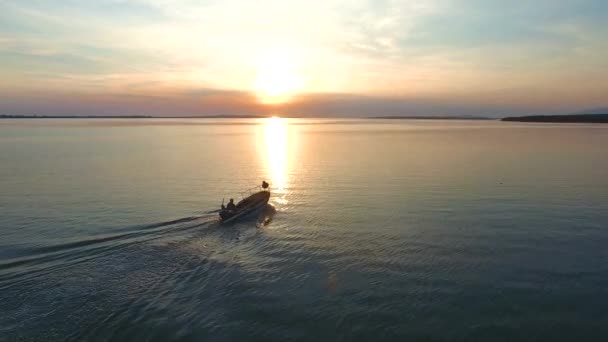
x,y
384,230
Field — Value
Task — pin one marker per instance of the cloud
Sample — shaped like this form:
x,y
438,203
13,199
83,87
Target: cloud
x,y
209,101
398,51
193,103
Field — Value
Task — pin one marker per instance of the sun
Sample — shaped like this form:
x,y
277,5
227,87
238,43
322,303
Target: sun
x,y
277,79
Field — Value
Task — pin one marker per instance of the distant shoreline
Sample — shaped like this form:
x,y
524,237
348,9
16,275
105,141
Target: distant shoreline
x,y
237,117
570,118
418,117
129,117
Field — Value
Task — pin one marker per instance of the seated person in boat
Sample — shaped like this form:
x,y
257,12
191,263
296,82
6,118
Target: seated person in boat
x,y
230,206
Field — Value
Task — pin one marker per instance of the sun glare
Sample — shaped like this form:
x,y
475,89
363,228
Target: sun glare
x,y
277,79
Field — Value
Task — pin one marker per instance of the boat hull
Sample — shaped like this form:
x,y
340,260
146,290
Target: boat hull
x,y
245,207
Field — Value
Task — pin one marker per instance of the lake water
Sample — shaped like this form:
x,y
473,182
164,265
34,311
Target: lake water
x,y
385,230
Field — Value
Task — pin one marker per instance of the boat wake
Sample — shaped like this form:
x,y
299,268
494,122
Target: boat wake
x,y
265,216
40,261
106,282
37,262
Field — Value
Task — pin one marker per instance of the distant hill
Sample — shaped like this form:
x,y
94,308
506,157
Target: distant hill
x,y
603,110
570,118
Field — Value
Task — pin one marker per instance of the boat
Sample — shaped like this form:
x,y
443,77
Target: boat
x,y
248,205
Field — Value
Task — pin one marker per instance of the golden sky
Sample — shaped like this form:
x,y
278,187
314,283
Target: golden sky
x,y
186,57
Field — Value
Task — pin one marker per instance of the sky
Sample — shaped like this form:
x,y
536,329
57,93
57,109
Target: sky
x,y
335,58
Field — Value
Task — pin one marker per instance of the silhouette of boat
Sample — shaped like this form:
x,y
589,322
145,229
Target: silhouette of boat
x,y
248,205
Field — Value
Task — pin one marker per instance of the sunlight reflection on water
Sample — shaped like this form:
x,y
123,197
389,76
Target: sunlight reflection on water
x,y
276,143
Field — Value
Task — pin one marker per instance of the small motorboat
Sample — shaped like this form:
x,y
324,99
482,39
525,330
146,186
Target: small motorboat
x,y
248,205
